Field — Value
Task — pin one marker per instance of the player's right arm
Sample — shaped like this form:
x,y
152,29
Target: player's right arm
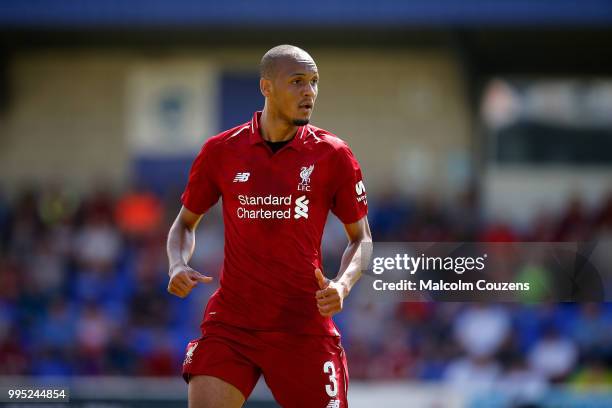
x,y
200,194
180,246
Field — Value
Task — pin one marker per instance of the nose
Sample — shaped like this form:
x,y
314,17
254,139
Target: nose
x,y
310,90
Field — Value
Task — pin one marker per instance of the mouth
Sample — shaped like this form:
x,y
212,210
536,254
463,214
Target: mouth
x,y
306,106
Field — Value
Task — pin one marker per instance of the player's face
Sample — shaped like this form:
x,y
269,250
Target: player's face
x,y
294,90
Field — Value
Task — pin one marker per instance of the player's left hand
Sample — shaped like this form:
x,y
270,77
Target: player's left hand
x,y
330,296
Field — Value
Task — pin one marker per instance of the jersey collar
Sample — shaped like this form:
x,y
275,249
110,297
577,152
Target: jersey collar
x,y
296,143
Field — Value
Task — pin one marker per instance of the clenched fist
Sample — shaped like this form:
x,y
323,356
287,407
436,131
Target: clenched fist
x,y
183,279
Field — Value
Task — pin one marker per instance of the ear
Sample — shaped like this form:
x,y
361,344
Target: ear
x,y
265,86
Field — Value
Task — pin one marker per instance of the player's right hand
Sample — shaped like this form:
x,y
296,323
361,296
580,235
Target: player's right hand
x,y
183,279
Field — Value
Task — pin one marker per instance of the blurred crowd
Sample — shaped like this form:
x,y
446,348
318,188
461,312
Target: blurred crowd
x,y
83,292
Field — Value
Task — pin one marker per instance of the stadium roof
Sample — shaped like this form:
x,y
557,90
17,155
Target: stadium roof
x,y
66,14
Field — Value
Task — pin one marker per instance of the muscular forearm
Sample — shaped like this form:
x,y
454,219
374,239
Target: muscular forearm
x,y
180,245
356,255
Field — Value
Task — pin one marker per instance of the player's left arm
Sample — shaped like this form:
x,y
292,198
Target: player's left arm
x,y
331,295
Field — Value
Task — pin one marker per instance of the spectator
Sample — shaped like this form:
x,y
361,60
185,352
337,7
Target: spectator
x,y
80,295
553,356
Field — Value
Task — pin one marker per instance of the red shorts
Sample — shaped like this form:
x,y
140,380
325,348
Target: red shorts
x,y
301,370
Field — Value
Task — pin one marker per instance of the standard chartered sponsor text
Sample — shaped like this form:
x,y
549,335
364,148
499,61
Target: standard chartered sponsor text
x,y
262,213
441,285
264,200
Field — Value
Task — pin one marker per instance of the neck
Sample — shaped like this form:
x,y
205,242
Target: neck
x,y
273,128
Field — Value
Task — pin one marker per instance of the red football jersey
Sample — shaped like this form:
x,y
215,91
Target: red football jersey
x,y
274,209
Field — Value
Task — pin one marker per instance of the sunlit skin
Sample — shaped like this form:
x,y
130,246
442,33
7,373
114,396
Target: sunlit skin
x,y
290,95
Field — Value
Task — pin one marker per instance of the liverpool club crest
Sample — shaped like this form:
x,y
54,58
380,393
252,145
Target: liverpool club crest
x,y
305,176
189,355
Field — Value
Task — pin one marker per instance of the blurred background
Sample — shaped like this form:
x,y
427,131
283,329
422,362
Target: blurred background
x,y
485,120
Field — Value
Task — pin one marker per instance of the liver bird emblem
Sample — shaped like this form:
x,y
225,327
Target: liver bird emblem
x,y
305,174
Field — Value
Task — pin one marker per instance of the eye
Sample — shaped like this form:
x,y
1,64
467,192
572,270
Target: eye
x,y
296,81
315,81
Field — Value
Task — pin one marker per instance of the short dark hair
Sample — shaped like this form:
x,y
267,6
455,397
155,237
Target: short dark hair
x,y
267,66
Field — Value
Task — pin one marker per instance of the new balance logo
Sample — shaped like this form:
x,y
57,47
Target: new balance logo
x,y
301,207
241,177
334,403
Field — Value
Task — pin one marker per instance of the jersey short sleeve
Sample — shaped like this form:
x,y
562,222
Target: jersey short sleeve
x,y
349,200
202,191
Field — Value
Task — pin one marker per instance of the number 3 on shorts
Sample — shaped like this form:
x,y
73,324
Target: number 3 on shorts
x,y
328,368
